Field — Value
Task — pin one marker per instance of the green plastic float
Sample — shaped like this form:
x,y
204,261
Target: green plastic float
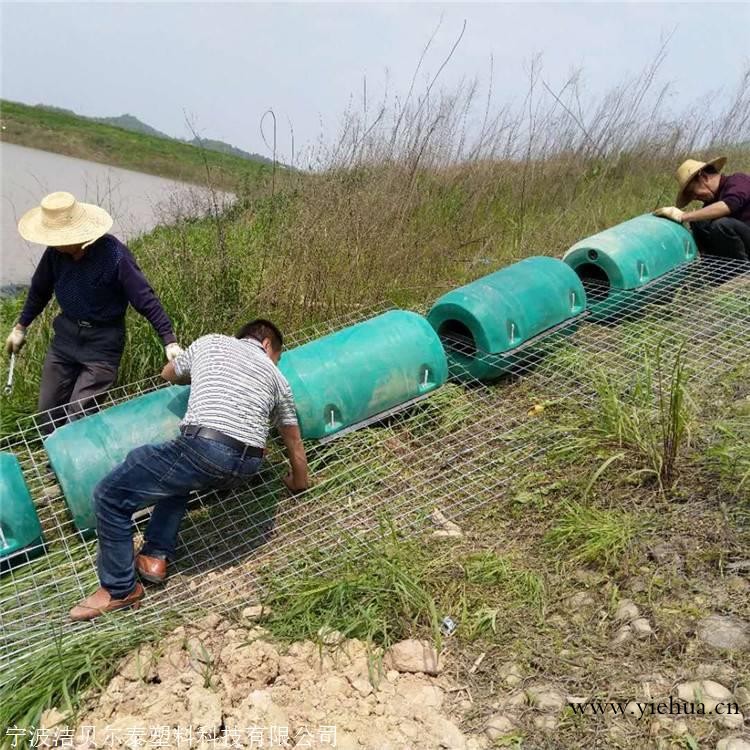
x,y
364,370
490,325
84,452
622,265
20,530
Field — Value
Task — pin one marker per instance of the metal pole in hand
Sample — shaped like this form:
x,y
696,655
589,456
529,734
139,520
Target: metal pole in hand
x,y
9,382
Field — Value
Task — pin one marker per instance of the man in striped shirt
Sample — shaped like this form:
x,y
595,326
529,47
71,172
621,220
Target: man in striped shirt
x,y
236,393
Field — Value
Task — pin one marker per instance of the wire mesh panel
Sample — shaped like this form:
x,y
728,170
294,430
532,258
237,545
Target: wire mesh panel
x,y
456,450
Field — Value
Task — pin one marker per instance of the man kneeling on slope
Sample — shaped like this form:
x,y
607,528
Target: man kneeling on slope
x,y
722,226
236,393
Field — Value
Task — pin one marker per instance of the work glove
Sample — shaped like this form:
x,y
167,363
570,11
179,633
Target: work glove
x,y
16,340
670,212
172,351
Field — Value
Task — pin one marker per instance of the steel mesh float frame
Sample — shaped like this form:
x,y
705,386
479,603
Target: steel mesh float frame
x,y
456,450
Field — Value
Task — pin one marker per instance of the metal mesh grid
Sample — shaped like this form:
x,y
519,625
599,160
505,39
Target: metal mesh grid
x,y
456,450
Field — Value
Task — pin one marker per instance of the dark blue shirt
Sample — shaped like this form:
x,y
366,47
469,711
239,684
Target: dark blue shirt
x,y
96,288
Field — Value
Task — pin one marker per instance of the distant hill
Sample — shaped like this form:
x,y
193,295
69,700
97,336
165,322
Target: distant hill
x,y
129,143
228,148
59,110
131,122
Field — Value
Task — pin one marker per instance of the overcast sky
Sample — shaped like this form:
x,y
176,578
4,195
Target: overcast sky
x,y
225,64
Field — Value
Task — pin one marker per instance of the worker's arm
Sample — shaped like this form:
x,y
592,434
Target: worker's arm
x,y
39,294
40,290
707,213
299,479
178,370
169,374
144,300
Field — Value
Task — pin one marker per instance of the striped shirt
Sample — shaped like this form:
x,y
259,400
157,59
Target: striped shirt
x,y
235,388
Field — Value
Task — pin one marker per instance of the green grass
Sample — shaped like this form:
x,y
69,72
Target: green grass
x,y
649,413
449,409
392,588
730,454
58,675
488,570
724,437
587,534
41,572
376,592
85,139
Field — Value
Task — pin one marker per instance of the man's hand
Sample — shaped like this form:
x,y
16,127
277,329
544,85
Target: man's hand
x,y
169,374
15,340
670,212
299,479
294,485
172,351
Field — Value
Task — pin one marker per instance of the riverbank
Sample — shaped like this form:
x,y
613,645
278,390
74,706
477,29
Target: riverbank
x,y
137,202
529,512
345,241
567,567
82,138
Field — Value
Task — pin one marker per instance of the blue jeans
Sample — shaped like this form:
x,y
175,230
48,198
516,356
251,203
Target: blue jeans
x,y
164,476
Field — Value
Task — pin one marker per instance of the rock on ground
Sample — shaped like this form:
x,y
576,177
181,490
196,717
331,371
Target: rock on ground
x,y
733,743
498,726
227,680
725,632
708,692
546,698
413,656
626,611
511,674
641,627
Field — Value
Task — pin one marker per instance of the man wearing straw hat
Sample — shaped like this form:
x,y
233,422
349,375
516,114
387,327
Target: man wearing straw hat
x,y
93,277
722,226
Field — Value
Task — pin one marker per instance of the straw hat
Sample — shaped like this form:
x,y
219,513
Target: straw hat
x,y
688,169
62,220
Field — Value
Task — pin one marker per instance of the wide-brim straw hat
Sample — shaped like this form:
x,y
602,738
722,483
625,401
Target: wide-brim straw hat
x,y
62,220
688,169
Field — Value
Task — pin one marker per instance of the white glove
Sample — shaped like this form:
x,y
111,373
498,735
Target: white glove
x,y
172,351
16,340
670,212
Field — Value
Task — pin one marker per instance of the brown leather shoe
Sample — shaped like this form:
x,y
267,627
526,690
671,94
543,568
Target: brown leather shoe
x,y
151,569
101,602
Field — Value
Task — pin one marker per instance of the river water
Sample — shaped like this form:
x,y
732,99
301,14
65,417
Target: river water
x,y
137,202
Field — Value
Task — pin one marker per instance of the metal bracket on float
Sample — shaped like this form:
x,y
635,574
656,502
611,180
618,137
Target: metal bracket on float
x,y
375,418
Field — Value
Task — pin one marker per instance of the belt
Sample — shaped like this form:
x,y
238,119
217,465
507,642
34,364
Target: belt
x,y
111,323
192,430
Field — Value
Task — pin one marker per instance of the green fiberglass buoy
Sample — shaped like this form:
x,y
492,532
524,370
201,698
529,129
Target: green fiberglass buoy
x,y
621,267
493,324
20,530
363,370
84,452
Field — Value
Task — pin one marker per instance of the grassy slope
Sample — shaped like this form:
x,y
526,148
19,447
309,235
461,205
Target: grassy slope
x,y
339,242
574,523
85,139
333,244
